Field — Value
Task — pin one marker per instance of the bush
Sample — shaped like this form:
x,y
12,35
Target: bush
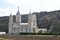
x,y
37,34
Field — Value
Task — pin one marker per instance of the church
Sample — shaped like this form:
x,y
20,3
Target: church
x,y
19,27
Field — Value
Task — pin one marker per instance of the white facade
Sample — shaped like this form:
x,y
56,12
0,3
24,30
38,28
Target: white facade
x,y
18,27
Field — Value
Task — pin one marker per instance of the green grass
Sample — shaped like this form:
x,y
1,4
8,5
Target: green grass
x,y
39,35
32,35
2,39
36,35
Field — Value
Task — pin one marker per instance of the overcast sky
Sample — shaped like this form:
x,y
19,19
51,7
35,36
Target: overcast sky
x,y
6,6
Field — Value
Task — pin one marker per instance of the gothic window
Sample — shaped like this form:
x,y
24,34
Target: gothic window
x,y
14,18
26,26
29,29
21,29
14,29
12,24
34,29
34,23
26,29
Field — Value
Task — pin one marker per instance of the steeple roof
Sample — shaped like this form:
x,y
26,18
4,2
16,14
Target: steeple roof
x,y
30,11
18,13
11,13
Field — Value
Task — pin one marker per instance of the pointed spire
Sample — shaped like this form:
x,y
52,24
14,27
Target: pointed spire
x,y
18,8
30,12
18,13
11,13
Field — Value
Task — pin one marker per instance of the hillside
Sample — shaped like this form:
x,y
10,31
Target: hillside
x,y
44,20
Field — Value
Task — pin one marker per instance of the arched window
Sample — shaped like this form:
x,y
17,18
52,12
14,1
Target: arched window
x,y
21,29
29,29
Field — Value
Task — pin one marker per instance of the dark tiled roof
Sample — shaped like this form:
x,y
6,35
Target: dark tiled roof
x,y
18,13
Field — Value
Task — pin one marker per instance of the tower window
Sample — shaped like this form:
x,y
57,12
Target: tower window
x,y
33,23
14,18
29,29
26,29
34,29
14,29
21,29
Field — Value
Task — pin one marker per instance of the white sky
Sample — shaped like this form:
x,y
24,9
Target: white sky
x,y
6,6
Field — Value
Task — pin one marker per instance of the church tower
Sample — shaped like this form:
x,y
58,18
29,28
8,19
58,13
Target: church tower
x,y
10,18
10,24
18,16
32,22
30,19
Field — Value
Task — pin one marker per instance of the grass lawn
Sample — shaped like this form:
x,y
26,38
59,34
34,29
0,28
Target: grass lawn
x,y
29,37
3,39
37,35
